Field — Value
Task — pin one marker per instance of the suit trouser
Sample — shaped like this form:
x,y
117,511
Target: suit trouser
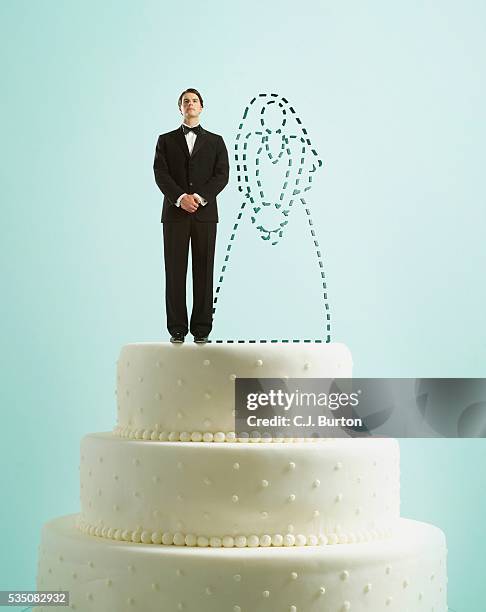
x,y
177,236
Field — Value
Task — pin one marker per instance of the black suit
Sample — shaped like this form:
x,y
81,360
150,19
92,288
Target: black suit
x,y
205,172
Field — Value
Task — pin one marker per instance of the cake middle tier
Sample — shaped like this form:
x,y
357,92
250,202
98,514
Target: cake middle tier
x,y
335,490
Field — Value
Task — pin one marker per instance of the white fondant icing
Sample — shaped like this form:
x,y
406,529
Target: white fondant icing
x,y
308,578
150,479
246,522
190,388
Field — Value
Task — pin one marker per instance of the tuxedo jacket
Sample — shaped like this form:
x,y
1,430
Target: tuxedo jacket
x,y
205,172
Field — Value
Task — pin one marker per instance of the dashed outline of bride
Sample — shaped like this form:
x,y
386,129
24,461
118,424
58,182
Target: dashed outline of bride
x,y
297,180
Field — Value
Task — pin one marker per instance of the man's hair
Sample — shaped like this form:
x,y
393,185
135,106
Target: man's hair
x,y
190,90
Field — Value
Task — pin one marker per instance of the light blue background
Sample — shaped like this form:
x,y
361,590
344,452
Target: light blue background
x,y
393,96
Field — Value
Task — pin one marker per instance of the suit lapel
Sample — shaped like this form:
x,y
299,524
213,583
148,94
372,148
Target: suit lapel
x,y
181,141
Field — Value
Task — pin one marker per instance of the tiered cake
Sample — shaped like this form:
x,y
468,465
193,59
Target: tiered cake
x,y
177,513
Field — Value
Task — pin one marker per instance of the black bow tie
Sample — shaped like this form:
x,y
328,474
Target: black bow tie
x,y
197,129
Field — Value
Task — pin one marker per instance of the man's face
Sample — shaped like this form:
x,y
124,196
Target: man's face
x,y
190,106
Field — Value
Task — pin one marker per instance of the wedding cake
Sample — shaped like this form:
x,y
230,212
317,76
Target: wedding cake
x,y
179,513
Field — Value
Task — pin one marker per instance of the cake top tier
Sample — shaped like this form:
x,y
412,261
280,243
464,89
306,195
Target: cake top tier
x,y
185,391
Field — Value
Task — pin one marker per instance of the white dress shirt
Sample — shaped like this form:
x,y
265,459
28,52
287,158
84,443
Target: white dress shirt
x,y
191,139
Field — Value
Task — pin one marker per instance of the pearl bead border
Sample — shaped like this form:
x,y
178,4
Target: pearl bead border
x,y
203,436
159,537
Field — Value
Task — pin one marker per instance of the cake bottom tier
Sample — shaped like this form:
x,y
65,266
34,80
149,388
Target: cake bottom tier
x,y
403,574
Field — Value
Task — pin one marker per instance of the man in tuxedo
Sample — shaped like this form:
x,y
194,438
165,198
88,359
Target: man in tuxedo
x,y
191,167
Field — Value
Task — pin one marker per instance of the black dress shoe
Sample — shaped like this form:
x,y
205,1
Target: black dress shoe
x,y
200,339
177,338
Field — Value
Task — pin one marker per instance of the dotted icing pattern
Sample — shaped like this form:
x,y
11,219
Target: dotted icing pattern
x,y
382,589
141,388
252,187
